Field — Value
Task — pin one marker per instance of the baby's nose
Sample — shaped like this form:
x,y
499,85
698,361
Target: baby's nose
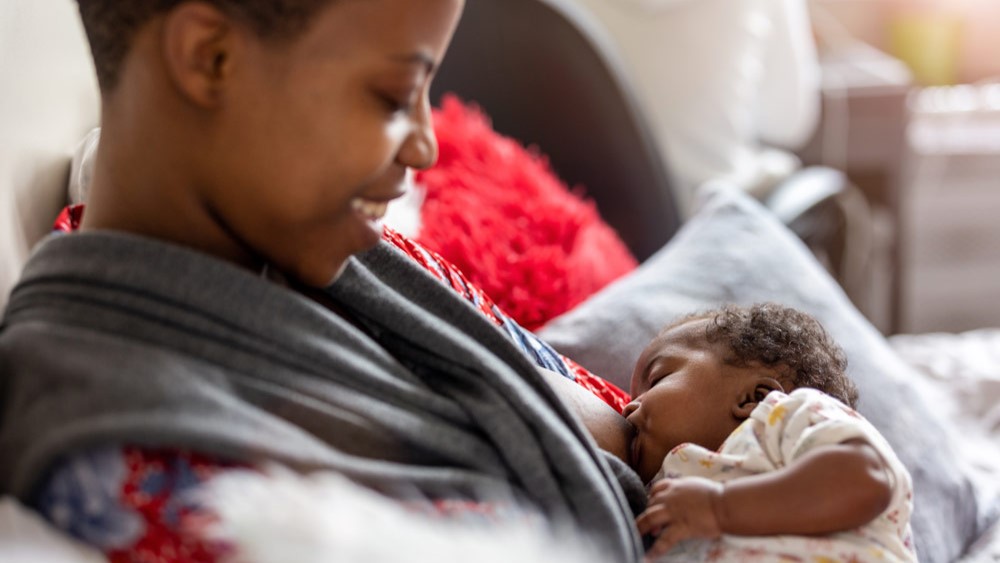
x,y
630,408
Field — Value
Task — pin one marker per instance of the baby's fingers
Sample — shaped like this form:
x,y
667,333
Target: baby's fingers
x,y
654,519
670,537
660,486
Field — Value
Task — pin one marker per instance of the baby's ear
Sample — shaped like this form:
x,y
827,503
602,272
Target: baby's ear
x,y
743,407
755,390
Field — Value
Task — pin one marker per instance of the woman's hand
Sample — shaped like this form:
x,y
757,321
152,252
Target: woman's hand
x,y
681,509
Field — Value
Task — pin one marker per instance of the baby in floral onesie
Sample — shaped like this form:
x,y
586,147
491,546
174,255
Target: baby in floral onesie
x,y
742,421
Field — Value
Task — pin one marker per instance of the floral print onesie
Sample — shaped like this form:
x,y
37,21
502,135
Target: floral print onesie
x,y
780,430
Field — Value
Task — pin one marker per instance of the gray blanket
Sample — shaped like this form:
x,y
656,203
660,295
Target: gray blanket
x,y
111,338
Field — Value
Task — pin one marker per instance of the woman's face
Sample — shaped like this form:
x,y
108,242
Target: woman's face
x,y
319,132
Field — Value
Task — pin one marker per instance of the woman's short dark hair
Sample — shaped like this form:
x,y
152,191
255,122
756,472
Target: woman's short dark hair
x,y
784,339
111,25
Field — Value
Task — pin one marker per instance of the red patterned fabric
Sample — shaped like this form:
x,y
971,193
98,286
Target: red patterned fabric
x,y
69,219
444,271
603,389
157,487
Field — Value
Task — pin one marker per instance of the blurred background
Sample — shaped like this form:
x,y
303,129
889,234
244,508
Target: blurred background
x,y
911,110
895,102
870,128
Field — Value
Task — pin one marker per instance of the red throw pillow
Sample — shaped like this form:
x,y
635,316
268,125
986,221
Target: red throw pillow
x,y
496,210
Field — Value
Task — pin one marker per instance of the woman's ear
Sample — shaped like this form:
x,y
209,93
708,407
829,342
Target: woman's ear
x,y
198,44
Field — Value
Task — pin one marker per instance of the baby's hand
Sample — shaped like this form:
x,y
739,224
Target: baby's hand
x,y
681,509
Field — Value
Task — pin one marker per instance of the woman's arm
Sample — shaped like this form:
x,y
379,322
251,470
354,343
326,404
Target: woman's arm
x,y
831,489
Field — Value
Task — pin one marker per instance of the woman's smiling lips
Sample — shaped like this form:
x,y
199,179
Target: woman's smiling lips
x,y
369,209
369,213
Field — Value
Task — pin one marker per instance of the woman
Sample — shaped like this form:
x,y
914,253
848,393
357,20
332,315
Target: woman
x,y
248,153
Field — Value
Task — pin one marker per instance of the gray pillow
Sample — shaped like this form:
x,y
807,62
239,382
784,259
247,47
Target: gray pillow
x,y
734,251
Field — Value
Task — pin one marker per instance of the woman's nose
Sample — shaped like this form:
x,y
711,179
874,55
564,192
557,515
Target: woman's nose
x,y
420,149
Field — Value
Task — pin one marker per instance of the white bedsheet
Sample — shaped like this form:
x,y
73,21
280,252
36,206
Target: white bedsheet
x,y
26,538
961,374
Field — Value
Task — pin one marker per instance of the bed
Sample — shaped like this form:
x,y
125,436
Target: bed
x,y
933,396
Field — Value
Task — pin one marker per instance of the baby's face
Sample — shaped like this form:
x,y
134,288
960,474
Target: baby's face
x,y
684,392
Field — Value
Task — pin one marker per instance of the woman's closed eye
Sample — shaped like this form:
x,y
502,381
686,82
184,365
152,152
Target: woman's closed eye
x,y
399,102
399,91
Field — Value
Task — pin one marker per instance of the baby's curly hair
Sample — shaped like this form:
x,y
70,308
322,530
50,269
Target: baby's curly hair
x,y
784,339
111,25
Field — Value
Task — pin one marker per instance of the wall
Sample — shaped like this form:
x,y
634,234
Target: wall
x,y
868,20
48,102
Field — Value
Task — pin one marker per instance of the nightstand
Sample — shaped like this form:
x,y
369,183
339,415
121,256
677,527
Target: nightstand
x,y
951,213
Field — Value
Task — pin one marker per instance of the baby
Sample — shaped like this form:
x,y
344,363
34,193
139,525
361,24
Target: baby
x,y
740,421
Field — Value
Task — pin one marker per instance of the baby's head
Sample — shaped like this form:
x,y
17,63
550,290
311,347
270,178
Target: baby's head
x,y
262,131
705,373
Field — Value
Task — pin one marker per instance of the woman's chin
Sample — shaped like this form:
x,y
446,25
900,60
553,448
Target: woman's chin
x,y
325,276
335,275
310,275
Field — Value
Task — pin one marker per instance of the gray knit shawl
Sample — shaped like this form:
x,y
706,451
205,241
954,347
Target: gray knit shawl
x,y
113,338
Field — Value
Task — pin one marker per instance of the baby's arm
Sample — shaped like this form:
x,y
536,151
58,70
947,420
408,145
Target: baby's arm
x,y
830,489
